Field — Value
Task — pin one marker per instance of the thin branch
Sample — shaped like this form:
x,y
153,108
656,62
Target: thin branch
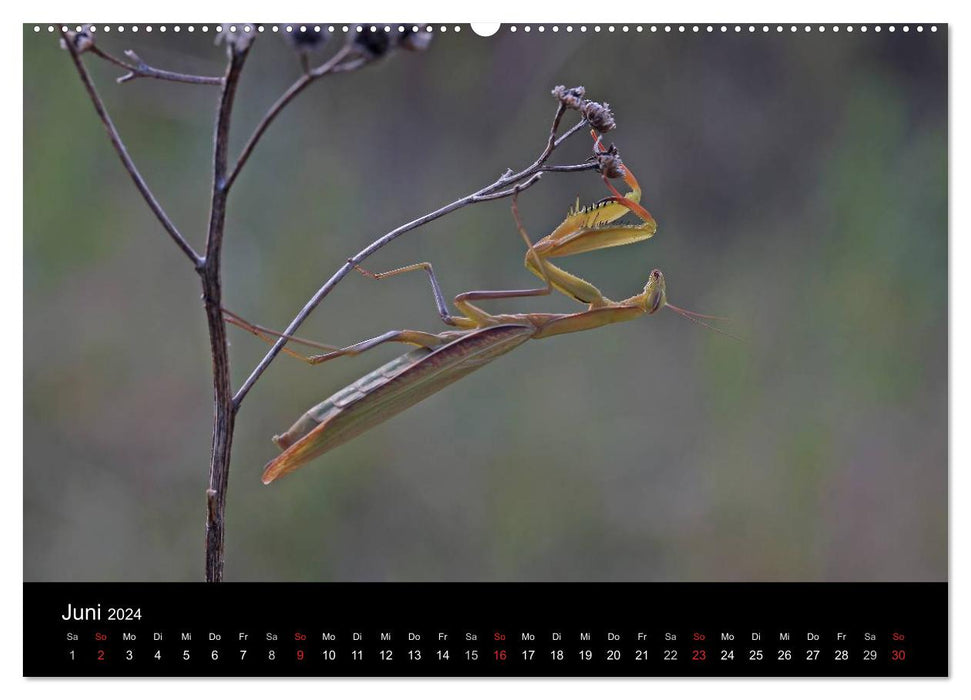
x,y
578,168
225,411
511,192
335,64
551,142
489,193
556,144
140,69
551,145
126,160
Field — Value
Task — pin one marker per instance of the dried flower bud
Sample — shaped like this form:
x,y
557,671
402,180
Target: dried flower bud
x,y
81,41
609,163
599,116
238,40
370,44
415,40
305,38
571,98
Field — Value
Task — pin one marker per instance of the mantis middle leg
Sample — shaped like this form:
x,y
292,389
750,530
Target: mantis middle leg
x,y
463,301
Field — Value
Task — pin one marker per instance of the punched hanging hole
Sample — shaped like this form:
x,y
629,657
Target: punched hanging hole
x,y
485,28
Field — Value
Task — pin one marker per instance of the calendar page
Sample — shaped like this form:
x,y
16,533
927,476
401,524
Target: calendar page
x,y
435,349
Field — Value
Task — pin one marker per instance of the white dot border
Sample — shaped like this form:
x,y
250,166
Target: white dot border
x,y
703,28
589,29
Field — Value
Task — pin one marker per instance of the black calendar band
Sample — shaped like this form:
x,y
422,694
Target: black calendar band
x,y
480,629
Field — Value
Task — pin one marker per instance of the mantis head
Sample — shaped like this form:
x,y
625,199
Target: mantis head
x,y
655,297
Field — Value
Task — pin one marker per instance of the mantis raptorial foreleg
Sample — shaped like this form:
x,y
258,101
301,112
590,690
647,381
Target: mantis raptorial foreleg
x,y
591,228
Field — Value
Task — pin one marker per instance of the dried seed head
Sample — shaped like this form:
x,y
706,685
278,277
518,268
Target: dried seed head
x,y
238,40
81,41
411,40
609,163
599,116
370,44
305,37
571,98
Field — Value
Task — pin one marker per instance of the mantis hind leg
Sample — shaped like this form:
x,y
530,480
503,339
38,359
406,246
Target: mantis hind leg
x,y
270,336
420,338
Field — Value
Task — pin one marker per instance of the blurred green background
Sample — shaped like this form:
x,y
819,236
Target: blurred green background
x,y
800,185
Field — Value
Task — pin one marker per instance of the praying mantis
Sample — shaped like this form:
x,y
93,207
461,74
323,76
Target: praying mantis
x,y
439,359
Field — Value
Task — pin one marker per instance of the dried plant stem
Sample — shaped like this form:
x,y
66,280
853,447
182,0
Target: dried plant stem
x,y
140,69
208,266
225,409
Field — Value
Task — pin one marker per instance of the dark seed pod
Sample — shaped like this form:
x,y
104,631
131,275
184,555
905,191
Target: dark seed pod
x,y
609,163
599,116
81,41
305,38
571,98
371,44
411,40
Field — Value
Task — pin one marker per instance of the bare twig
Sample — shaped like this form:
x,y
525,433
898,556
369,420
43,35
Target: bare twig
x,y
512,191
579,167
554,142
336,64
225,410
489,193
126,160
554,127
140,69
